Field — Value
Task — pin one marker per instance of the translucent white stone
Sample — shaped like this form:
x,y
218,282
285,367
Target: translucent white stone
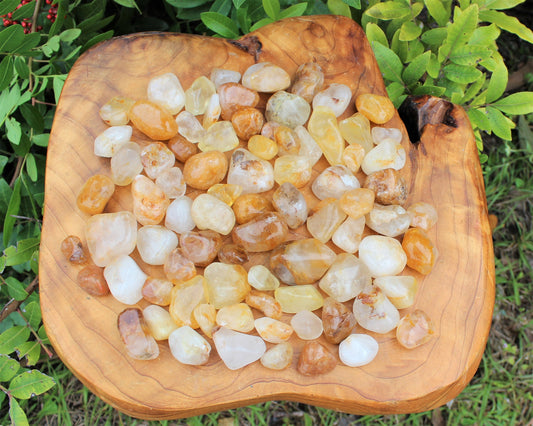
x,y
387,155
188,346
336,96
400,289
308,146
324,222
110,140
262,279
345,278
374,312
154,243
307,325
278,357
115,112
220,136
390,221
149,201
221,76
266,77
272,330
287,109
356,129
358,350
379,134
189,127
226,284
171,182
166,91
208,212
238,349
333,182
110,235
126,164
294,169
197,96
382,255
212,111
423,215
253,174
125,280
159,322
349,234
178,217
156,158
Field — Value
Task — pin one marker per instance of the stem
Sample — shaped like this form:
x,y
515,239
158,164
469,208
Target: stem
x,y
34,17
39,340
20,160
13,304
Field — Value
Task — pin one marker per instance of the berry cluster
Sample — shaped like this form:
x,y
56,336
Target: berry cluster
x,y
26,22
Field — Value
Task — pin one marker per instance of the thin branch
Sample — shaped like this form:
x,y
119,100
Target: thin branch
x,y
36,10
18,168
39,340
13,304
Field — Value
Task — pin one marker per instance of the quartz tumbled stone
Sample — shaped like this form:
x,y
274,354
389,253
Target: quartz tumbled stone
x,y
420,250
414,329
72,249
110,140
94,194
356,130
400,289
325,221
159,322
381,133
266,77
234,96
212,111
220,76
152,120
263,233
238,349
201,247
226,192
157,291
149,201
205,169
166,91
132,329
307,325
293,299
294,169
189,127
126,163
272,330
324,129
336,96
91,279
287,109
178,217
232,253
125,279
209,212
345,278
265,303
390,221
308,81
238,317
110,235
178,268
253,174
423,215
226,284
185,297
205,315
182,148
198,94
352,157
374,312
377,108
287,140
249,206
358,350
262,279
315,359
247,122
278,357
188,346
388,185
263,147
338,321
308,146
156,158
220,136
349,234
172,183
290,204
333,182
115,112
382,255
387,155
357,202
155,242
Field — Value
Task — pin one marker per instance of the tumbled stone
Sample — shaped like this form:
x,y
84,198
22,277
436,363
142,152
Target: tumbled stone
x,y
269,129
263,233
110,140
377,108
293,299
185,297
227,193
110,235
247,122
232,253
159,322
201,247
95,194
205,315
338,321
166,91
226,284
414,329
115,112
324,129
308,146
154,243
302,262
157,291
352,157
294,169
423,215
198,94
149,201
357,202
125,279
237,349
307,325
126,163
308,81
290,204
212,111
220,136
178,217
209,212
91,279
234,96
205,169
220,76
190,128
390,221
287,109
188,346
272,330
182,148
132,329
381,133
152,120
382,255
253,174
287,140
333,182
356,130
178,268
336,96
388,185
266,77
386,155
265,303
400,290
263,147
262,279
172,183
374,312
249,206
349,234
358,350
236,317
345,278
156,158
278,357
325,221
420,251
315,359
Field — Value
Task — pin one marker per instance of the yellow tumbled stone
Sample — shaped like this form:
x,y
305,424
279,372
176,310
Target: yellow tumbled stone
x,y
299,298
325,131
184,298
225,284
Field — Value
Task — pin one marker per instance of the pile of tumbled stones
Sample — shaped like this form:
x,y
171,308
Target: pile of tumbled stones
x,y
249,201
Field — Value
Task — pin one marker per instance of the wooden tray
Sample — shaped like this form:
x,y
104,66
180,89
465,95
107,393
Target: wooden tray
x,y
442,169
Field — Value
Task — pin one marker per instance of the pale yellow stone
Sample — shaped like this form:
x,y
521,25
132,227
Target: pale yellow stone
x,y
400,289
198,95
159,322
298,298
278,357
356,130
272,330
184,299
205,316
294,169
238,317
323,223
325,131
225,284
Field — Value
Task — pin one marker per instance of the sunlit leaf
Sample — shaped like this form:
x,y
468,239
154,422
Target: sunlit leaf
x,y
30,383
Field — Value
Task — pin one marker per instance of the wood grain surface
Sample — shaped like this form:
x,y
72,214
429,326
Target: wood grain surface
x,y
441,169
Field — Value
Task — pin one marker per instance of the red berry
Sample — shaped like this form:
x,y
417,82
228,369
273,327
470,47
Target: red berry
x,y
9,15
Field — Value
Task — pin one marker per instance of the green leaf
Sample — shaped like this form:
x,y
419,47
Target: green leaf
x,y
128,3
297,9
16,414
338,7
97,39
520,103
220,24
401,48
409,31
13,337
497,82
356,4
8,368
469,54
460,30
7,6
70,35
375,34
473,89
32,313
15,288
23,251
389,63
435,36
479,119
58,82
396,92
41,140
461,74
31,167
29,42
26,11
388,10
10,37
416,69
261,23
6,72
271,8
238,3
5,195
501,126
21,67
507,23
30,383
485,35
437,11
429,90
33,117
12,209
3,162
31,350
13,130
502,4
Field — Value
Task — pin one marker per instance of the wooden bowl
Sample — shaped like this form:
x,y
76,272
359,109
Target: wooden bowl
x,y
442,169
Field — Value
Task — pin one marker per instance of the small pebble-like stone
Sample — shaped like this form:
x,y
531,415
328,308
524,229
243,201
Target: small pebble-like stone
x,y
205,315
294,169
220,76
324,129
333,182
357,202
248,206
382,255
293,299
263,233
266,77
234,96
172,183
356,130
358,350
307,325
278,357
73,251
390,221
205,169
315,359
201,247
308,146
262,279
178,268
209,212
269,129
189,127
152,120
198,94
125,279
115,112
237,349
325,221
110,140
232,253
349,234
188,346
212,111
336,96
420,251
220,136
157,291
377,108
253,174
182,148
263,147
185,297
287,140
423,215
290,203
91,279
381,133
415,329
247,122
400,289
225,192
374,312
345,278
265,303
132,329
154,243
166,91
287,109
126,163
178,217
156,158
159,322
388,185
238,317
226,284
308,81
387,155
149,201
338,321
273,331
352,157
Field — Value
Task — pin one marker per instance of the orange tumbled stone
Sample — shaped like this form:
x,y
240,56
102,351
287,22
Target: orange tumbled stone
x,y
263,147
315,359
420,251
205,169
248,206
178,268
265,303
92,280
149,201
157,291
234,96
357,202
182,148
414,329
263,233
287,140
247,122
378,109
153,121
95,194
72,249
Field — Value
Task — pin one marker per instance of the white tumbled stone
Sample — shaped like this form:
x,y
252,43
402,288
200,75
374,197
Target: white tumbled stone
x,y
336,96
307,325
209,212
159,322
126,164
220,76
333,182
172,183
238,349
387,155
349,234
358,350
266,77
390,221
382,255
379,134
252,173
189,127
110,140
188,346
178,217
154,243
125,279
345,278
374,311
165,90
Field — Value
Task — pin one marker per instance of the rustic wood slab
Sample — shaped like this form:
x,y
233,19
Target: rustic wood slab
x,y
442,169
